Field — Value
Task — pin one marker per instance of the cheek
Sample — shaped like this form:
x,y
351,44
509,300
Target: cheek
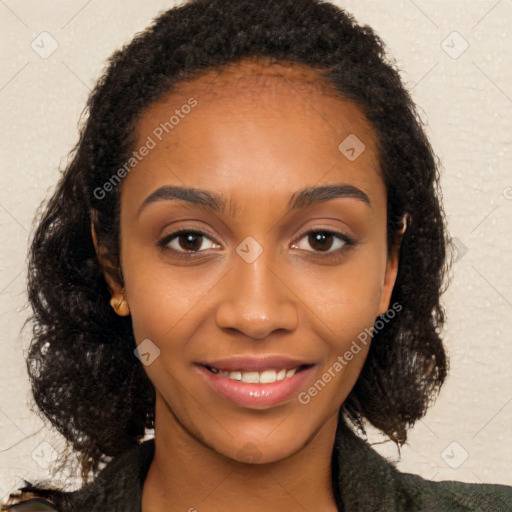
x,y
164,301
344,298
345,306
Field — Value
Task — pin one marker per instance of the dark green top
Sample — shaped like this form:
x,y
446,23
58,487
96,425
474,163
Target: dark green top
x,y
363,481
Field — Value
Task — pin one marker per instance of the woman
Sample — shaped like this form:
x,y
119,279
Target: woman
x,y
246,254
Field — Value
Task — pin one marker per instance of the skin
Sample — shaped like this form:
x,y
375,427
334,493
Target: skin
x,y
257,135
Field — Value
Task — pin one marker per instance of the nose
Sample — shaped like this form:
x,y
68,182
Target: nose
x,y
257,300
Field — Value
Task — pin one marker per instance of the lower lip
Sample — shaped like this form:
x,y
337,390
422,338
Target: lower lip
x,y
256,395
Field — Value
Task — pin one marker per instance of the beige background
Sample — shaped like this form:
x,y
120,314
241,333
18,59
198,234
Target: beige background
x,y
465,96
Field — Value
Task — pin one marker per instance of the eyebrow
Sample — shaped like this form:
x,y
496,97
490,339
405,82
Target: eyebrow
x,y
212,201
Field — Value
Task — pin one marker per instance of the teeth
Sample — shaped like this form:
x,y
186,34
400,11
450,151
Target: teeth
x,y
264,377
268,376
251,377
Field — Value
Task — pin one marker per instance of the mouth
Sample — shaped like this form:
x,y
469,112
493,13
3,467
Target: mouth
x,y
256,384
266,376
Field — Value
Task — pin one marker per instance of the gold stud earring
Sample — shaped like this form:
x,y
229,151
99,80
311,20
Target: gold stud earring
x,y
405,221
119,305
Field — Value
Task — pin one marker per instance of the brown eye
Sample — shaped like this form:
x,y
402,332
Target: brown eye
x,y
325,241
190,241
187,244
320,240
186,241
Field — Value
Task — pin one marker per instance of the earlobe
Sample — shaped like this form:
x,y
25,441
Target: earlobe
x,y
119,305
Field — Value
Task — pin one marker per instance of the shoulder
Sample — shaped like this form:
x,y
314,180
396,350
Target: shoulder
x,y
118,486
457,496
34,498
366,481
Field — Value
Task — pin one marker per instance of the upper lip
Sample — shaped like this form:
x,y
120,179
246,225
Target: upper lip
x,y
256,363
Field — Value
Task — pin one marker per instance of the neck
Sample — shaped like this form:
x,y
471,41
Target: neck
x,y
187,475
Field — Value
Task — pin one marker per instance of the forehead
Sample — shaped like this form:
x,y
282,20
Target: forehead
x,y
264,90
273,126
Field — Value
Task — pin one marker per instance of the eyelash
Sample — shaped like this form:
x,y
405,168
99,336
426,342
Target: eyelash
x,y
348,243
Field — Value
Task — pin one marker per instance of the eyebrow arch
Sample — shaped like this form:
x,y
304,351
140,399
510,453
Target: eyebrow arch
x,y
215,202
312,195
204,198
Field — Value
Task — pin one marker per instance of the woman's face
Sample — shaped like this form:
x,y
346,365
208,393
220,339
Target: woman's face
x,y
264,278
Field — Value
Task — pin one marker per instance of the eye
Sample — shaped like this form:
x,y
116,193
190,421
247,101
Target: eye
x,y
186,241
325,241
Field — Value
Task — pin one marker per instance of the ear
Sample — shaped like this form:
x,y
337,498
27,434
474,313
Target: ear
x,y
392,269
118,299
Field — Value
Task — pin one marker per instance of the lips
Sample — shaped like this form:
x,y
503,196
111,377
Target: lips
x,y
256,382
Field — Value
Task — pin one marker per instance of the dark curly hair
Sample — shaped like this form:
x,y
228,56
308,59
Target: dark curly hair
x,y
85,377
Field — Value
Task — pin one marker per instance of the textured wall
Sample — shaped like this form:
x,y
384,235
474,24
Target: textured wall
x,y
454,59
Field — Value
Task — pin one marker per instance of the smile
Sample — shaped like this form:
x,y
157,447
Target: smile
x,y
261,377
257,389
